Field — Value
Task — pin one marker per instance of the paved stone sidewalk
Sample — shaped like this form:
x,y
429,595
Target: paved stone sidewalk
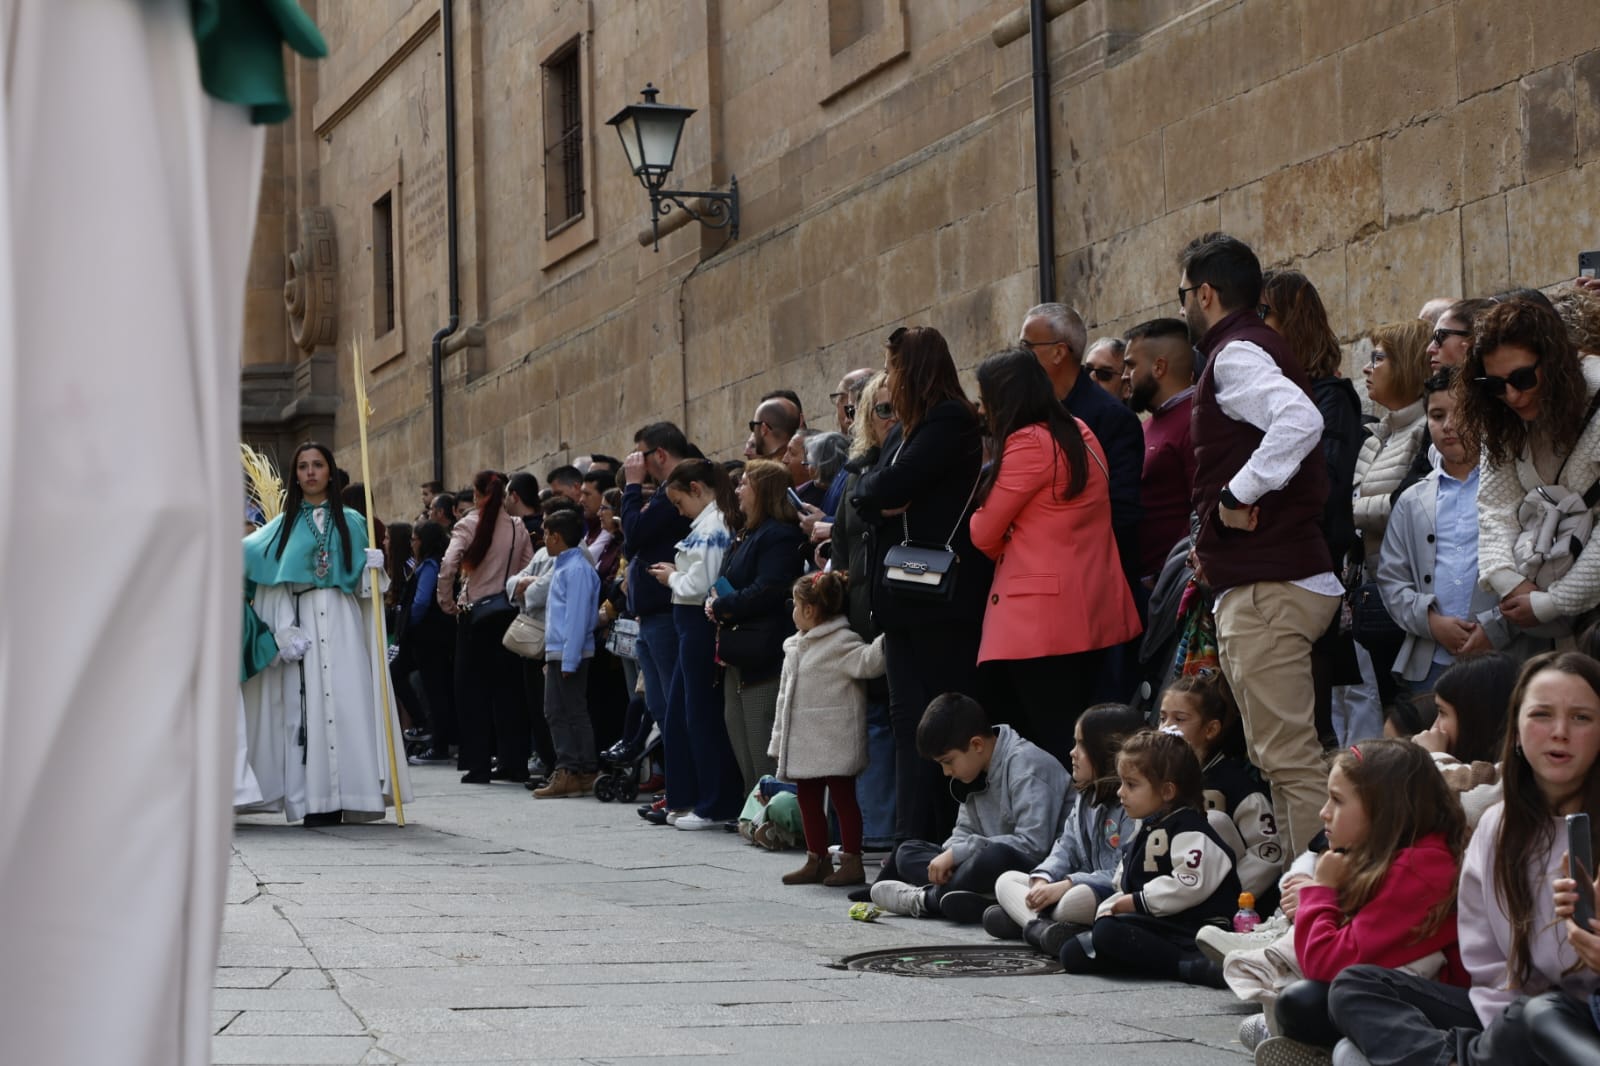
x,y
499,928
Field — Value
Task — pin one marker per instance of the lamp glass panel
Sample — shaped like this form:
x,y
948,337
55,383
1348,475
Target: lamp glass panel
x,y
627,130
658,136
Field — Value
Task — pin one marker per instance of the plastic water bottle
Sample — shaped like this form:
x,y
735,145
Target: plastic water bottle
x,y
1245,919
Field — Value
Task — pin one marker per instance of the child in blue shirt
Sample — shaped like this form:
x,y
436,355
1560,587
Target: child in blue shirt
x,y
571,613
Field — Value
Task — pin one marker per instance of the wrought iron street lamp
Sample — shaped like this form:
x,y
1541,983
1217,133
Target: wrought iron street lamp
x,y
650,133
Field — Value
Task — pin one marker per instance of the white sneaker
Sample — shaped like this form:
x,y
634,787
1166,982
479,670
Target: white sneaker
x,y
1281,1051
1217,944
691,820
1252,1031
1347,1054
897,897
673,816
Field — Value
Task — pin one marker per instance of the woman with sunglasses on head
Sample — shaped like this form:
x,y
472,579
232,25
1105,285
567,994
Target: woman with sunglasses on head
x,y
853,550
1530,399
921,491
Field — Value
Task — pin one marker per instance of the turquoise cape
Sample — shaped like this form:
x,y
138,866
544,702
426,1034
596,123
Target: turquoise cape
x,y
240,45
257,648
263,567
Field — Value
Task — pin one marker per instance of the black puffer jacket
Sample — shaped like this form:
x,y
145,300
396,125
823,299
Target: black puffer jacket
x,y
1342,434
934,473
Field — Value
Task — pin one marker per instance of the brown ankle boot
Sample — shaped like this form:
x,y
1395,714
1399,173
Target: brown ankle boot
x,y
816,870
848,873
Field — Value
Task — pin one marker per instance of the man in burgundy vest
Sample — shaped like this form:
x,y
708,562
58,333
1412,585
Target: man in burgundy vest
x,y
1259,491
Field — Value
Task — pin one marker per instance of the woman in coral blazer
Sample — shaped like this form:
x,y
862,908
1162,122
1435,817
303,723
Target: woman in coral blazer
x,y
1058,594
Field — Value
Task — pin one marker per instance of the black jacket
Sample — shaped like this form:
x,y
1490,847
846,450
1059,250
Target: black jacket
x,y
934,472
855,548
762,567
1342,434
650,534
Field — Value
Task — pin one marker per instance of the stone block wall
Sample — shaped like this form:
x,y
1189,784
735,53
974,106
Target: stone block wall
x,y
1395,150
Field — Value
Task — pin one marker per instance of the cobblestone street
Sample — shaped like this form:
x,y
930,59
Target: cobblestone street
x,y
499,928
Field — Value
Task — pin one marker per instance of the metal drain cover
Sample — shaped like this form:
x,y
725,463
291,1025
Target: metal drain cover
x,y
968,960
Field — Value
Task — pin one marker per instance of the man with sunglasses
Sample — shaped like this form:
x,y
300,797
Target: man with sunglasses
x,y
1260,487
771,427
846,397
1103,362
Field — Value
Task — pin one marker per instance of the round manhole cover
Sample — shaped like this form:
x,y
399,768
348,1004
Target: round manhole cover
x,y
971,960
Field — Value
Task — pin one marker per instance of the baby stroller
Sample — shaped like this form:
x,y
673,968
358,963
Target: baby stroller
x,y
621,767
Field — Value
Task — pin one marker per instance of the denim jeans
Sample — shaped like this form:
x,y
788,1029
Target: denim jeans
x,y
701,773
875,784
657,648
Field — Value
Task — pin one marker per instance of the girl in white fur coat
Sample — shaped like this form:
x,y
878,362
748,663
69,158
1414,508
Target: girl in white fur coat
x,y
819,736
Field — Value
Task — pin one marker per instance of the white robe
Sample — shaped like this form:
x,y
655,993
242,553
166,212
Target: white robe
x,y
344,764
246,789
127,204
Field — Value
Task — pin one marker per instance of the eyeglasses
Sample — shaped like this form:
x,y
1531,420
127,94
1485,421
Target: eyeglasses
x,y
835,397
1104,373
1031,345
1183,293
1441,335
754,426
883,410
1378,356
1522,379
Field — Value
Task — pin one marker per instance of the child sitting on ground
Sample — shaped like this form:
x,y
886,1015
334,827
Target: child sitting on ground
x,y
1176,876
1059,896
1198,709
819,735
1013,800
1383,893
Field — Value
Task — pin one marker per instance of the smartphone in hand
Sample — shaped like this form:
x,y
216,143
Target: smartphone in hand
x,y
1580,863
794,498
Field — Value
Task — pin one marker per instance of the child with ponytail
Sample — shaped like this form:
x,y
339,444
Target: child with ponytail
x,y
819,736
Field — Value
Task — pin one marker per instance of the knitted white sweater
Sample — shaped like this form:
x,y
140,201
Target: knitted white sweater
x,y
1500,490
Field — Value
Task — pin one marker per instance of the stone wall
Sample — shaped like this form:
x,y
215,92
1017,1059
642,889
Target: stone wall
x,y
1393,149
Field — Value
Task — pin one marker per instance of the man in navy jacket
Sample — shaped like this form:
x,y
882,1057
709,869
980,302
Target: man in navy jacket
x,y
650,531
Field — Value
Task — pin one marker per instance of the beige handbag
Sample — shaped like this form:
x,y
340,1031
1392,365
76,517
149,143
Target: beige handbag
x,y
525,636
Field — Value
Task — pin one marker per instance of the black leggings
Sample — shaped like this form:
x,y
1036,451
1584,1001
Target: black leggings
x,y
1132,943
1302,1012
1561,1030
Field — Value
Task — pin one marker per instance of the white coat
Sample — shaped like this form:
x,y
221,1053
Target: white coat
x,y
821,725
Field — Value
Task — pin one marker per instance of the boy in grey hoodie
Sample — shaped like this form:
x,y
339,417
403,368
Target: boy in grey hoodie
x,y
1013,800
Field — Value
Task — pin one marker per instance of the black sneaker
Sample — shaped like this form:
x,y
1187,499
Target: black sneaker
x,y
964,908
998,924
1055,935
429,755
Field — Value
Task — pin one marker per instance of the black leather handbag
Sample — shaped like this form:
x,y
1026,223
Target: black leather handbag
x,y
1370,623
497,608
924,573
754,643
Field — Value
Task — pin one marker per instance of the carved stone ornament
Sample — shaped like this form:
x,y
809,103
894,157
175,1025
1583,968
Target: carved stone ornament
x,y
310,293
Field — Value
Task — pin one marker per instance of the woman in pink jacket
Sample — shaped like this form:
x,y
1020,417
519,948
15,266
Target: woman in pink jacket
x,y
1058,595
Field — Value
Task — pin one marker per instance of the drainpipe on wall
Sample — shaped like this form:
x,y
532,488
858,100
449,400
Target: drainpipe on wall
x,y
436,361
1044,185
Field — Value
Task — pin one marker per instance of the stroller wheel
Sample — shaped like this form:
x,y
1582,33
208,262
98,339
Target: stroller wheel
x,y
627,788
605,788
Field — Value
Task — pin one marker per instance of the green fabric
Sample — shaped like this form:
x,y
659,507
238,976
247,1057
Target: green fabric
x,y
262,566
240,44
257,646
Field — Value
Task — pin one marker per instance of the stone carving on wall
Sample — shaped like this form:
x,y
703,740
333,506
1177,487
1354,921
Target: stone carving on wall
x,y
310,292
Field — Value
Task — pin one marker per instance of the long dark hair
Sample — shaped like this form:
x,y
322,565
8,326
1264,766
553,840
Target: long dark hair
x,y
432,540
399,533
922,375
1016,394
1563,393
490,484
1479,688
1527,826
1104,727
715,478
296,496
1303,321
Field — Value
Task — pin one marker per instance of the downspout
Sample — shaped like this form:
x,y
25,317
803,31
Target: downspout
x,y
436,361
1043,183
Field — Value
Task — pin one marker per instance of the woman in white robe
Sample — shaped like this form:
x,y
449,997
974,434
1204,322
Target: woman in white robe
x,y
315,737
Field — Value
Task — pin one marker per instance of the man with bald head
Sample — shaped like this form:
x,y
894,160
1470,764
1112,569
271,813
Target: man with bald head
x,y
1159,373
1056,335
772,425
847,395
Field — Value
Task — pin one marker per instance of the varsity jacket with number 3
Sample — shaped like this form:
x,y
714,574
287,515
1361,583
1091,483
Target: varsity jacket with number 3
x,y
1181,870
1236,792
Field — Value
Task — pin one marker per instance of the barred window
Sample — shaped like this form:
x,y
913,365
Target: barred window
x,y
383,253
563,140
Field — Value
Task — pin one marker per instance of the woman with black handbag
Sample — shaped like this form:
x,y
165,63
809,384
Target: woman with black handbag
x,y
753,620
929,594
487,546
